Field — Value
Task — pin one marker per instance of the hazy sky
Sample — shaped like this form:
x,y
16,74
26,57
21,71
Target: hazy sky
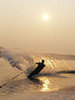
x,y
22,25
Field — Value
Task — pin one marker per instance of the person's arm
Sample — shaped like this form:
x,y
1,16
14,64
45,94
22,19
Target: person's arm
x,y
38,63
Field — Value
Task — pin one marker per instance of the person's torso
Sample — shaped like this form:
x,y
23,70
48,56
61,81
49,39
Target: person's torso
x,y
40,67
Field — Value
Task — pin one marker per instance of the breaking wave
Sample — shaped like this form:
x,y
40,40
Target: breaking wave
x,y
25,61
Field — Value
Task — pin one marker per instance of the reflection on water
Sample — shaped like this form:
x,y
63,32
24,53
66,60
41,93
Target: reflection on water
x,y
40,84
46,84
53,65
43,84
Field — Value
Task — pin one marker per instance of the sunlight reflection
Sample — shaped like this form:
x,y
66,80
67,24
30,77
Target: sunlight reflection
x,y
46,85
52,63
48,63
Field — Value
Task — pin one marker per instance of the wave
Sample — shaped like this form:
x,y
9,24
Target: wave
x,y
25,61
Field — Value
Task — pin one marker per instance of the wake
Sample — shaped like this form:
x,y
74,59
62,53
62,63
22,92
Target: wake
x,y
25,61
56,64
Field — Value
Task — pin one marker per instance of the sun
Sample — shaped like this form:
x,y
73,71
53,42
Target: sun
x,y
45,17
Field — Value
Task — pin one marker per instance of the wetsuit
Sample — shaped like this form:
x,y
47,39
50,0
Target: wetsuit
x,y
37,70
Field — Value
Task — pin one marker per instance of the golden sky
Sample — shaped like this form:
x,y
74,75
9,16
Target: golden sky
x,y
22,25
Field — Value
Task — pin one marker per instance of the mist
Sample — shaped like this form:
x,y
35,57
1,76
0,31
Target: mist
x,y
22,26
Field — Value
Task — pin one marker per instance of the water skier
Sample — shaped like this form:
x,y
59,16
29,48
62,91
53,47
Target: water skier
x,y
37,70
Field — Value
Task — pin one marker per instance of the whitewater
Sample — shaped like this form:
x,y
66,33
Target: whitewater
x,y
56,81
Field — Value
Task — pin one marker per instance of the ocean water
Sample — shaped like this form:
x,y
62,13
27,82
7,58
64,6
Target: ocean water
x,y
55,82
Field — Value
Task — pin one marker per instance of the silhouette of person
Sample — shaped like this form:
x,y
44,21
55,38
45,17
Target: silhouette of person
x,y
40,66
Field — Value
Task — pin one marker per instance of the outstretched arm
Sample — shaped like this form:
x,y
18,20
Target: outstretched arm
x,y
37,63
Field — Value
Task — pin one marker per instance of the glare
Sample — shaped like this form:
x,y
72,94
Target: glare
x,y
46,17
46,84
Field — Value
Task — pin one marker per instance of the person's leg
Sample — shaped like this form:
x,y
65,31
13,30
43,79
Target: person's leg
x,y
33,73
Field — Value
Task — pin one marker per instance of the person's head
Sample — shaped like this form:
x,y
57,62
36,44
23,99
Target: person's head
x,y
43,61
